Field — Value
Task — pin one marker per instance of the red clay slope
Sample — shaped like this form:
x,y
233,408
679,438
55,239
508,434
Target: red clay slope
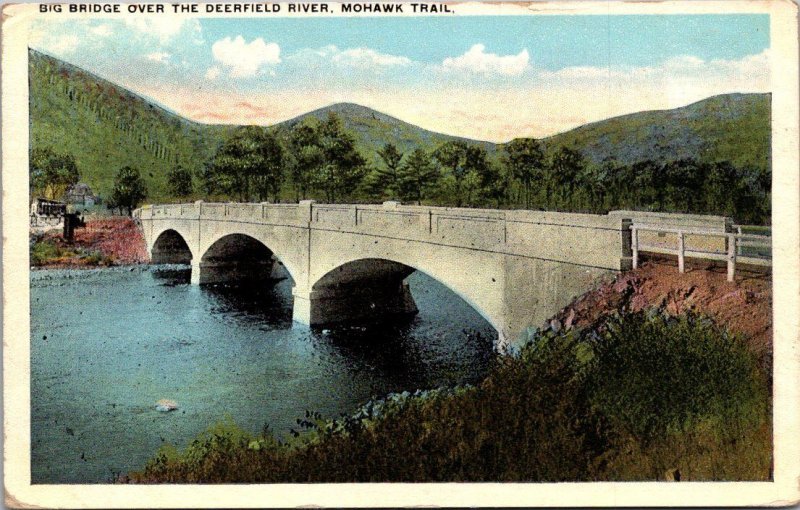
x,y
743,306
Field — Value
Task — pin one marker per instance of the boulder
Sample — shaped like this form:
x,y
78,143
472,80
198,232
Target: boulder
x,y
164,405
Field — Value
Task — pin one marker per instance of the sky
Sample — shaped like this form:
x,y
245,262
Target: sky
x,y
484,77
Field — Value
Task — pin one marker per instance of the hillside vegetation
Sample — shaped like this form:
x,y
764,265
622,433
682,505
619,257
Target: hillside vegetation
x,y
106,127
712,156
373,129
732,127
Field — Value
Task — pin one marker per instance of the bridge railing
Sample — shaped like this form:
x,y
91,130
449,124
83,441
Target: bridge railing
x,y
686,241
593,240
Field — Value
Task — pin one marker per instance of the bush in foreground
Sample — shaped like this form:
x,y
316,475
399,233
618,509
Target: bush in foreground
x,y
639,397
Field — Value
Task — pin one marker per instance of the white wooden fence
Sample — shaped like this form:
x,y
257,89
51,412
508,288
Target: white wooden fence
x,y
731,247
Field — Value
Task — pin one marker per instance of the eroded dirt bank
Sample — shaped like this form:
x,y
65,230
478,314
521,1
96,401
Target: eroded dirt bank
x,y
743,306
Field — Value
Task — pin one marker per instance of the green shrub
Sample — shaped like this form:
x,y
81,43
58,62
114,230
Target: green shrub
x,y
652,375
96,258
44,251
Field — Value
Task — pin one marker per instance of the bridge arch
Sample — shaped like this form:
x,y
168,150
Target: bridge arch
x,y
239,258
372,287
170,247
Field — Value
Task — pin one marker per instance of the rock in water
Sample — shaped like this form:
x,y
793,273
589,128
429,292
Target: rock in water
x,y
165,405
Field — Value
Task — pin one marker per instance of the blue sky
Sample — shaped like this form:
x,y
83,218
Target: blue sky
x,y
488,77
557,41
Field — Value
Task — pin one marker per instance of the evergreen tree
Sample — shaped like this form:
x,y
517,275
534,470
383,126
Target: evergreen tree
x,y
307,159
417,175
524,159
562,175
129,189
452,156
343,167
248,163
388,179
179,181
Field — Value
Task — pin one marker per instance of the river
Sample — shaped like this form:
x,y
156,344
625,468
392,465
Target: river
x,y
107,344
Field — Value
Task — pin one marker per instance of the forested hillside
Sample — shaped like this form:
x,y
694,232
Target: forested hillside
x,y
106,127
731,127
712,156
373,129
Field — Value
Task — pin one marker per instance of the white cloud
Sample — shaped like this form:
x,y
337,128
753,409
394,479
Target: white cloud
x,y
245,59
751,72
212,73
477,61
165,28
366,57
158,56
103,30
362,58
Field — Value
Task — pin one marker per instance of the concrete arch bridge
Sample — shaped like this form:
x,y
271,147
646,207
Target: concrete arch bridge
x,y
349,262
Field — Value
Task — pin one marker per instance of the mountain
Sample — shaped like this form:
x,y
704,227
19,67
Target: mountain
x,y
372,129
106,127
730,127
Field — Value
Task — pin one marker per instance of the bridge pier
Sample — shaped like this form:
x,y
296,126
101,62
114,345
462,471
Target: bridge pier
x,y
194,277
330,306
364,290
236,271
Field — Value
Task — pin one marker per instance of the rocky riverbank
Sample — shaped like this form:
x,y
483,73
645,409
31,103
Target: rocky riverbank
x,y
103,242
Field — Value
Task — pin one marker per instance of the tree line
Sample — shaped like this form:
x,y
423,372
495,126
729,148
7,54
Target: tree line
x,y
321,160
53,173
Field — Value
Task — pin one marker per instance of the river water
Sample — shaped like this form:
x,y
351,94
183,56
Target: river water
x,y
107,344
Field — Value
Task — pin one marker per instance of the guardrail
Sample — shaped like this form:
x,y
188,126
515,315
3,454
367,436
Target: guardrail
x,y
736,247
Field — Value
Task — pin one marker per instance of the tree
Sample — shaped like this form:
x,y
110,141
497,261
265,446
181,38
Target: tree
x,y
179,180
343,167
565,167
52,173
307,158
388,179
452,155
268,177
129,189
647,187
249,162
682,180
417,175
524,159
497,183
480,175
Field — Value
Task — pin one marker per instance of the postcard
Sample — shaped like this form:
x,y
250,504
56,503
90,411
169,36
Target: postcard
x,y
394,254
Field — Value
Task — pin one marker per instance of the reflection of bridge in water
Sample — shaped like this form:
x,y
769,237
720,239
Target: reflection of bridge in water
x,y
349,262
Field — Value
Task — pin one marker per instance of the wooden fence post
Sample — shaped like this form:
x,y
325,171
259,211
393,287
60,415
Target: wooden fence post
x,y
681,261
738,231
635,246
731,256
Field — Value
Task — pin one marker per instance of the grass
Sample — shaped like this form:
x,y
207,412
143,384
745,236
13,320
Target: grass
x,y
641,396
48,252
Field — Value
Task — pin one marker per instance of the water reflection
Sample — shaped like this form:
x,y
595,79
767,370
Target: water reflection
x,y
106,345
